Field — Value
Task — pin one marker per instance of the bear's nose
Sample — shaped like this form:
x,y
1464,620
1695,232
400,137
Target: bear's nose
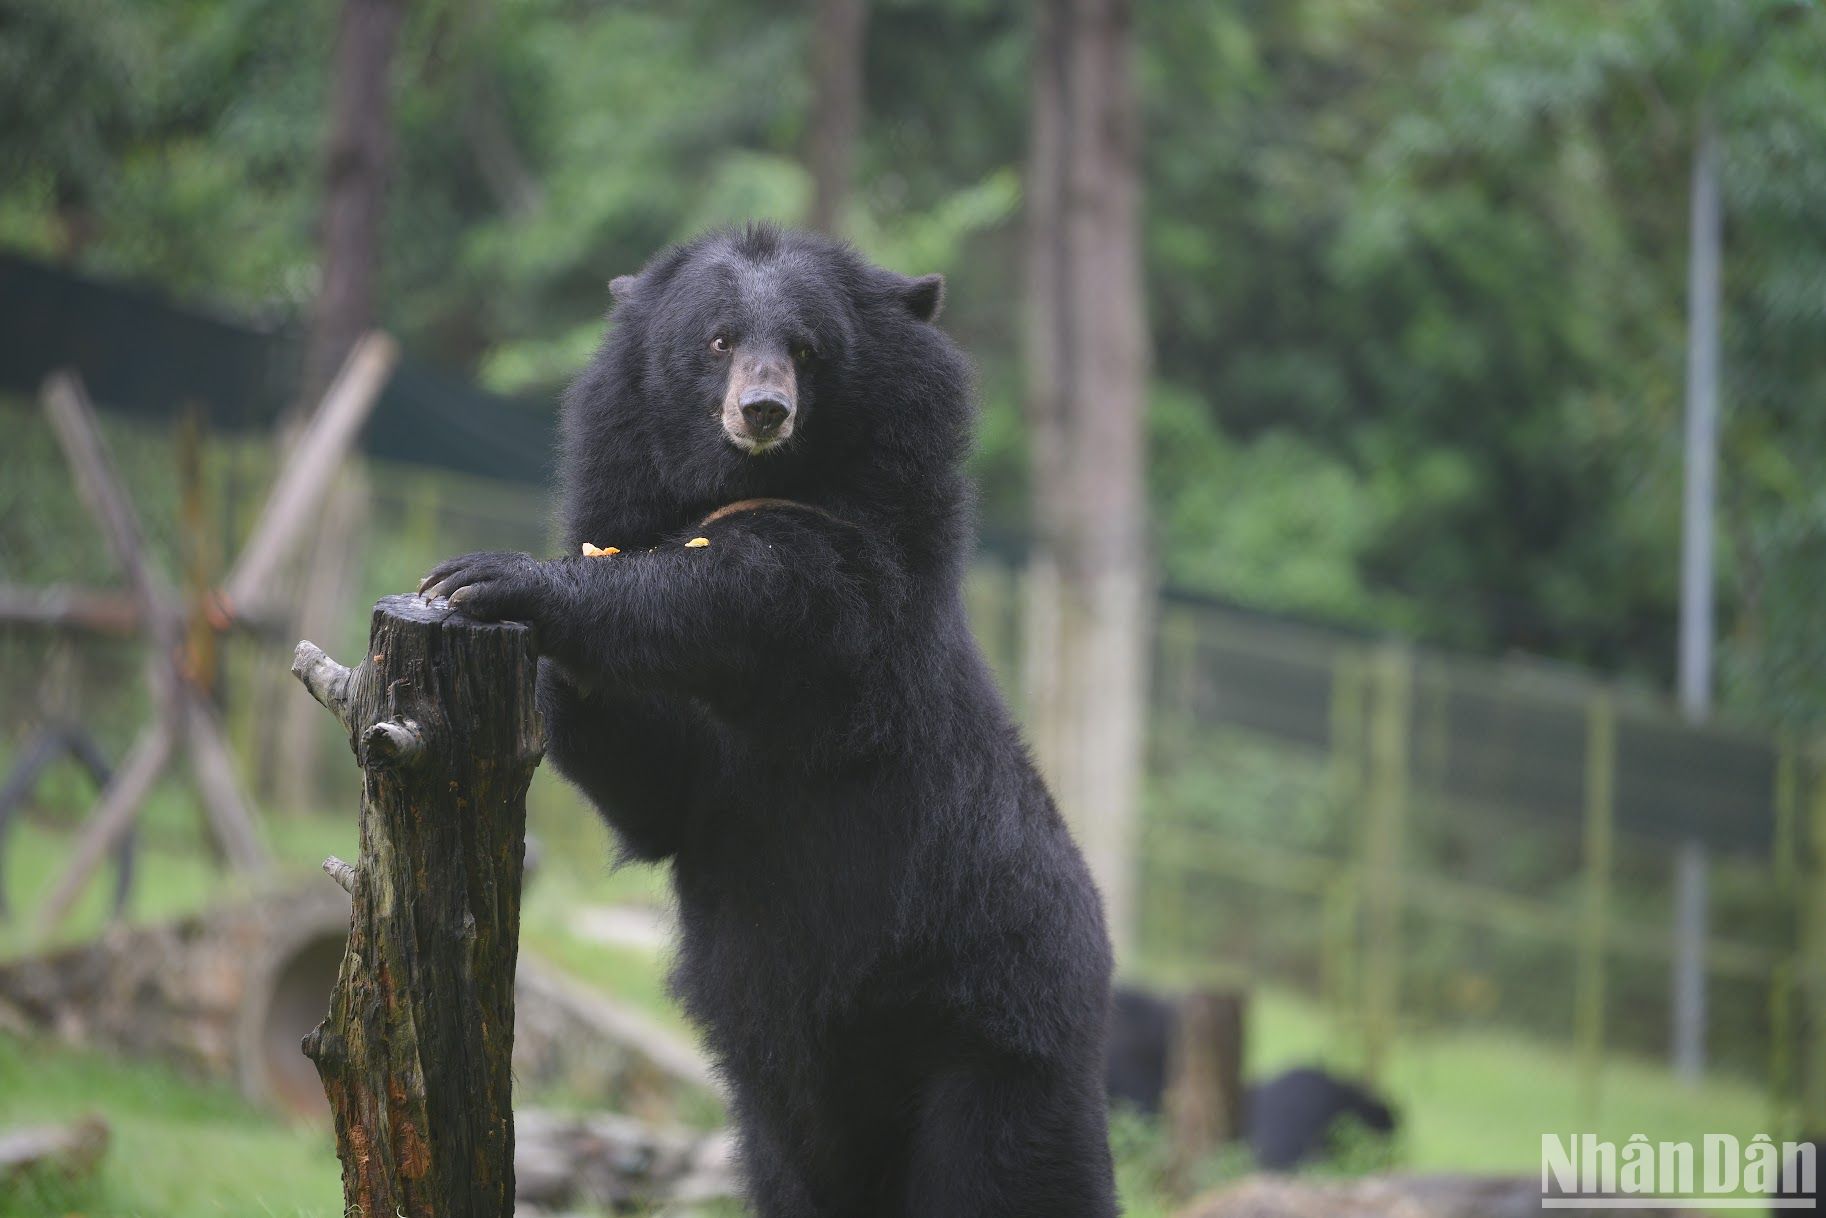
x,y
764,412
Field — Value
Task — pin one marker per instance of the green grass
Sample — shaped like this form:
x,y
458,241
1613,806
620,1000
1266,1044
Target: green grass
x,y
1473,1100
178,1147
1480,1099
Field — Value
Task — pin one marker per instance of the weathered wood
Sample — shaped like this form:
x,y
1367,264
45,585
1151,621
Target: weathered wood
x,y
571,1013
62,606
331,568
611,1163
181,712
1204,1098
49,745
73,419
110,822
310,466
416,1054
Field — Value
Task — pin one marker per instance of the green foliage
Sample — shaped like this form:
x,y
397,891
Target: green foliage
x,y
1415,274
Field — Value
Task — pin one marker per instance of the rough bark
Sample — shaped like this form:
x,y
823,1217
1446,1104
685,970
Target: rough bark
x,y
837,42
416,1054
1086,369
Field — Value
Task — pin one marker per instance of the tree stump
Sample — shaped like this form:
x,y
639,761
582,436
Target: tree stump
x,y
416,1053
1204,1100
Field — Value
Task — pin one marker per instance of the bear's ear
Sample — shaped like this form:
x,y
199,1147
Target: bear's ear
x,y
622,287
923,296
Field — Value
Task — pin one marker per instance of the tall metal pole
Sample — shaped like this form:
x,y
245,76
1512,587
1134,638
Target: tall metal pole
x,y
1696,626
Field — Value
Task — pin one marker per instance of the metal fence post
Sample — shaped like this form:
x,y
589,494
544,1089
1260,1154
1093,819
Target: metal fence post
x,y
1385,808
1347,713
1600,785
1812,960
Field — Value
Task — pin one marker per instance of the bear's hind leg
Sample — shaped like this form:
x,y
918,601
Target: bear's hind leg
x,y
1010,1142
776,1185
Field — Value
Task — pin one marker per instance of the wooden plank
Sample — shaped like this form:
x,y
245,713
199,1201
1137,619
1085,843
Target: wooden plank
x,y
101,610
73,420
308,470
212,765
110,821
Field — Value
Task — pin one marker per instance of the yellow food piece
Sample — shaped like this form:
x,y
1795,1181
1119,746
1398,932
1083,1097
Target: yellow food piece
x,y
697,543
591,551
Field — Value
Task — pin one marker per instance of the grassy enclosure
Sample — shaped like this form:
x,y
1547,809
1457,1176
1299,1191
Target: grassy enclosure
x,y
1250,836
1474,1100
1398,455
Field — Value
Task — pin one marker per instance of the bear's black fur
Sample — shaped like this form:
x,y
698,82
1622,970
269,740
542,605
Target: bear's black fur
x,y
889,939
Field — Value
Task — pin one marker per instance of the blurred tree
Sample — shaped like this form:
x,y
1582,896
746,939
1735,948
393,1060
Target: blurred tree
x,y
1088,577
1414,272
836,106
357,165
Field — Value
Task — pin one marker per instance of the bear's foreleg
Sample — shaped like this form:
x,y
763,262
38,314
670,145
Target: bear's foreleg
x,y
762,598
638,758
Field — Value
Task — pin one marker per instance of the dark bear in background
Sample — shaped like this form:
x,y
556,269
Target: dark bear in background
x,y
1291,1119
889,939
1142,1027
1296,1117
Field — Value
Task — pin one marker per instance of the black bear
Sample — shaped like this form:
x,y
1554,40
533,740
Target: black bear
x,y
759,669
1297,1117
1142,1026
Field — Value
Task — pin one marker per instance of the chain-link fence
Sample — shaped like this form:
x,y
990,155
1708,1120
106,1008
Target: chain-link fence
x,y
1416,839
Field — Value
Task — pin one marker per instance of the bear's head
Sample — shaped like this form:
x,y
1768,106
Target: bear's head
x,y
748,360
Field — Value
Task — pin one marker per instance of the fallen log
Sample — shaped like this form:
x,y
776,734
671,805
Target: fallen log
x,y
416,1053
611,1163
226,994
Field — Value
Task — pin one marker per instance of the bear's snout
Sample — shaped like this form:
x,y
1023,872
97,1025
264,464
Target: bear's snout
x,y
763,411
762,399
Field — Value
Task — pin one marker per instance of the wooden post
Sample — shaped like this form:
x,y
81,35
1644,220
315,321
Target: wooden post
x,y
416,1053
1204,1098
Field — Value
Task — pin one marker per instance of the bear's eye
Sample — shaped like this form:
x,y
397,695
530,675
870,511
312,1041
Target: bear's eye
x,y
720,345
802,354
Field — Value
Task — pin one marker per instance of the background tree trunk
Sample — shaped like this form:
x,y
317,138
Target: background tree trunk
x,y
357,166
1087,368
837,45
416,1054
356,170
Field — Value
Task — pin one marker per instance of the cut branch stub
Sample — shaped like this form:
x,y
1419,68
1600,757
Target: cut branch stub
x,y
392,742
415,1055
328,681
